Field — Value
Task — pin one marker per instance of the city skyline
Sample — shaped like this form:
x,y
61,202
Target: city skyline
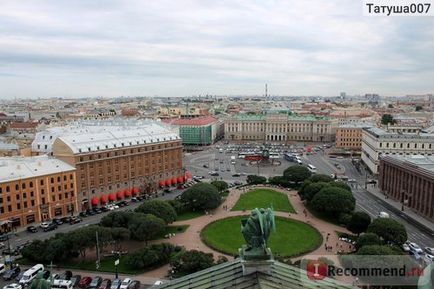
x,y
113,48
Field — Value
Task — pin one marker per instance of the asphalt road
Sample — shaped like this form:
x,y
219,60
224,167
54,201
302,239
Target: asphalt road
x,y
369,203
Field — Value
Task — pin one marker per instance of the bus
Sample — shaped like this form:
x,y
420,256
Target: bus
x,y
61,284
30,274
311,168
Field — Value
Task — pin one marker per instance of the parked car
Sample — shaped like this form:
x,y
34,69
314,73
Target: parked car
x,y
2,245
82,214
415,248
104,209
429,250
75,280
74,220
134,285
10,251
44,225
95,283
50,227
11,273
84,282
3,237
46,274
13,286
55,276
116,284
125,283
134,200
19,276
90,212
66,275
105,284
57,221
66,220
97,210
32,229
405,247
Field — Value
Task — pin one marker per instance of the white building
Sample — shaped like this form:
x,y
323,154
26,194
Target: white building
x,y
377,142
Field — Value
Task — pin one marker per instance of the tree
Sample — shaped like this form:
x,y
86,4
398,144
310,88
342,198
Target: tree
x,y
279,181
160,209
119,235
116,219
146,227
333,201
389,230
341,185
387,119
359,222
310,190
376,250
151,256
320,178
256,180
188,262
220,185
296,174
202,196
178,206
368,239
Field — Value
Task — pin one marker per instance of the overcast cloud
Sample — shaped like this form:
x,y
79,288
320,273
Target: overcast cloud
x,y
180,48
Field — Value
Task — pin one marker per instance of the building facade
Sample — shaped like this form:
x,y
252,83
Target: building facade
x,y
279,126
377,142
198,131
350,136
117,162
409,180
35,189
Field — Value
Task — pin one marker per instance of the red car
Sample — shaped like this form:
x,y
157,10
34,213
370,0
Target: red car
x,y
84,282
106,283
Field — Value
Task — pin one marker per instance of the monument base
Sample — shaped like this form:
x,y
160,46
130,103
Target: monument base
x,y
256,260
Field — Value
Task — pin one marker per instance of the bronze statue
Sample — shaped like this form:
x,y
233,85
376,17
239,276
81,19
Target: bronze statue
x,y
256,229
40,283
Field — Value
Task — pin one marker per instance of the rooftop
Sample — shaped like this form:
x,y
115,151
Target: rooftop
x,y
356,125
230,275
196,121
381,133
425,163
292,117
15,168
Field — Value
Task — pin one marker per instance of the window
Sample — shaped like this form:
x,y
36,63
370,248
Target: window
x,y
23,186
52,180
31,184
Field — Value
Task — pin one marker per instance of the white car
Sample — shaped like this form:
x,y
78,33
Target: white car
x,y
125,283
13,286
415,248
109,207
405,247
44,225
429,250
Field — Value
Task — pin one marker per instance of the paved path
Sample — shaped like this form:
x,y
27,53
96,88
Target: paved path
x,y
190,239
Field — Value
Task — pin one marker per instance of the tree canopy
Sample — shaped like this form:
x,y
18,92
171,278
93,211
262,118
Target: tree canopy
x,y
359,222
146,227
256,180
333,201
307,192
387,119
320,178
202,196
296,174
188,262
220,185
389,229
160,209
368,239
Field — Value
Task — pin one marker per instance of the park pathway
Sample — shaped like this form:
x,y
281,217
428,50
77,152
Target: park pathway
x,y
191,239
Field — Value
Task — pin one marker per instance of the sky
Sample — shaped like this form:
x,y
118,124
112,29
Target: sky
x,y
81,48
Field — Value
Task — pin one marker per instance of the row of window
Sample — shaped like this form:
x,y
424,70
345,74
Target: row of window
x,y
408,145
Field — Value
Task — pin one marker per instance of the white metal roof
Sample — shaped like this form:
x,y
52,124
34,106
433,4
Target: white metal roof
x,y
96,135
15,168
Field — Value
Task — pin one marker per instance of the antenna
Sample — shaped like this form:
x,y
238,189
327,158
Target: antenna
x,y
266,91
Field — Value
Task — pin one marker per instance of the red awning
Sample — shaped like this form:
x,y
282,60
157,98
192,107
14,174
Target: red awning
x,y
127,193
187,175
112,197
180,179
162,183
174,181
135,191
168,182
119,195
94,201
103,199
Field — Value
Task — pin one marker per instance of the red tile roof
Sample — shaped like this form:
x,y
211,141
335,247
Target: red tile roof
x,y
23,125
191,121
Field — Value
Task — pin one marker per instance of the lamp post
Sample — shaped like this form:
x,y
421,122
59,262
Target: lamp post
x,y
116,265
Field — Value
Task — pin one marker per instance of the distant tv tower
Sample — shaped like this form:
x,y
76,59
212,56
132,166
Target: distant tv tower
x,y
266,91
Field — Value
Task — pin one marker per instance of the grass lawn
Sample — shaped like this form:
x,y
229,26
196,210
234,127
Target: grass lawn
x,y
189,215
292,238
263,198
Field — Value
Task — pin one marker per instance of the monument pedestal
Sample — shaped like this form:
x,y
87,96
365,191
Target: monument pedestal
x,y
256,260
